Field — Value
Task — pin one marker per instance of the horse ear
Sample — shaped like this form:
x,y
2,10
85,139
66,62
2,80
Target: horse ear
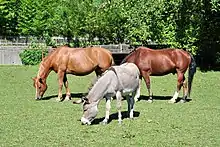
x,y
41,81
33,78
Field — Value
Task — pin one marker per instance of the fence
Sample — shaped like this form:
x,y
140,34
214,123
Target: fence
x,y
10,54
10,48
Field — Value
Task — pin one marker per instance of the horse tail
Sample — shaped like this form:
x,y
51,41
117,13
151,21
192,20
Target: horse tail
x,y
113,61
192,71
124,60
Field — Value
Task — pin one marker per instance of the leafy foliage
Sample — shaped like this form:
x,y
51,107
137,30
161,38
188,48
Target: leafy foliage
x,y
33,54
179,23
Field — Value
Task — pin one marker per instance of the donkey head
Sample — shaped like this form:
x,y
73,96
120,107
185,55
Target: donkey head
x,y
90,111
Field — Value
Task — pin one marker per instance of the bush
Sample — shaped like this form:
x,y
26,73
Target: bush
x,y
33,54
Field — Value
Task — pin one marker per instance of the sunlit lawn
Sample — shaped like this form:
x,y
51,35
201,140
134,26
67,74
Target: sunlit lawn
x,y
26,122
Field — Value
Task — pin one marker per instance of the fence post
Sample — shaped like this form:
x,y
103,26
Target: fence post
x,y
120,47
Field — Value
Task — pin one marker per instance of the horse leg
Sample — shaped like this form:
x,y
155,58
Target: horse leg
x,y
185,91
119,98
60,80
107,112
138,92
181,78
147,81
132,101
68,95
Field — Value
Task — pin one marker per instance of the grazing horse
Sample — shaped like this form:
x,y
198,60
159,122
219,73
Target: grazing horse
x,y
77,61
117,81
161,62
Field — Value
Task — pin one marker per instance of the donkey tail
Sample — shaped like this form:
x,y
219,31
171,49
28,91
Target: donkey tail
x,y
192,71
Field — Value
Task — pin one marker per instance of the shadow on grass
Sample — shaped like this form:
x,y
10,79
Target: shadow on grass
x,y
114,116
145,98
73,95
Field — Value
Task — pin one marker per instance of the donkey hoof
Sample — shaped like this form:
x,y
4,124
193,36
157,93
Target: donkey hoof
x,y
120,122
131,118
104,122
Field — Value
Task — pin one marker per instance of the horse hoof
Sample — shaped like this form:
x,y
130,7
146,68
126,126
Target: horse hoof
x,y
171,101
182,101
67,99
150,101
59,100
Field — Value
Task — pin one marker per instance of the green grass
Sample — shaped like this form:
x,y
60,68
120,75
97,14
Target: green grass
x,y
26,122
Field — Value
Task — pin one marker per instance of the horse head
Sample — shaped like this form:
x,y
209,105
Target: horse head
x,y
40,86
90,110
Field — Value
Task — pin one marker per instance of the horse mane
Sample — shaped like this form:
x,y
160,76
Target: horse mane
x,y
125,59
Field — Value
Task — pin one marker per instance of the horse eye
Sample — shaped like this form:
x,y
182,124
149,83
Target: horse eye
x,y
40,87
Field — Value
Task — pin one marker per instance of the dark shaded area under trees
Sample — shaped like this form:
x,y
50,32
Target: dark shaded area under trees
x,y
188,24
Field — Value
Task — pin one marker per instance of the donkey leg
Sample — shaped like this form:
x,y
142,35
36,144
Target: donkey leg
x,y
68,95
60,80
147,81
129,105
119,98
180,80
107,112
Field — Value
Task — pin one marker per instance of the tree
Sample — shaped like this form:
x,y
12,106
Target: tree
x,y
9,17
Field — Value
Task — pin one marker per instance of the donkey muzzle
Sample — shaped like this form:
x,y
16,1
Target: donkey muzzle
x,y
85,121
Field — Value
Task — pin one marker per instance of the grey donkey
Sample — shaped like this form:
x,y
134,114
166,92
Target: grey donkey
x,y
117,81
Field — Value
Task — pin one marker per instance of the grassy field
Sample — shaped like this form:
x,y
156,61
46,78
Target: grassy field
x,y
26,122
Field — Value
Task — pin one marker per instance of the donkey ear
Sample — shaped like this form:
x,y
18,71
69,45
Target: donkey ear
x,y
85,100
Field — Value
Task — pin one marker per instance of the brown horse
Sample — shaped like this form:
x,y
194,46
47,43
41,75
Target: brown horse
x,y
76,61
161,62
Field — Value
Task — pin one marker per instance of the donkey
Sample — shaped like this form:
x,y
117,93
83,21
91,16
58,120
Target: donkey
x,y
117,81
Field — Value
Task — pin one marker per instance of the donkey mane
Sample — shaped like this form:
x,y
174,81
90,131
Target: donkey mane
x,y
93,83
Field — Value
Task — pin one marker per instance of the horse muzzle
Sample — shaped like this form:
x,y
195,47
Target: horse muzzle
x,y
85,121
38,98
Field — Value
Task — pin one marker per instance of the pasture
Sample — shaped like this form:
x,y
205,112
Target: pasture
x,y
27,122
